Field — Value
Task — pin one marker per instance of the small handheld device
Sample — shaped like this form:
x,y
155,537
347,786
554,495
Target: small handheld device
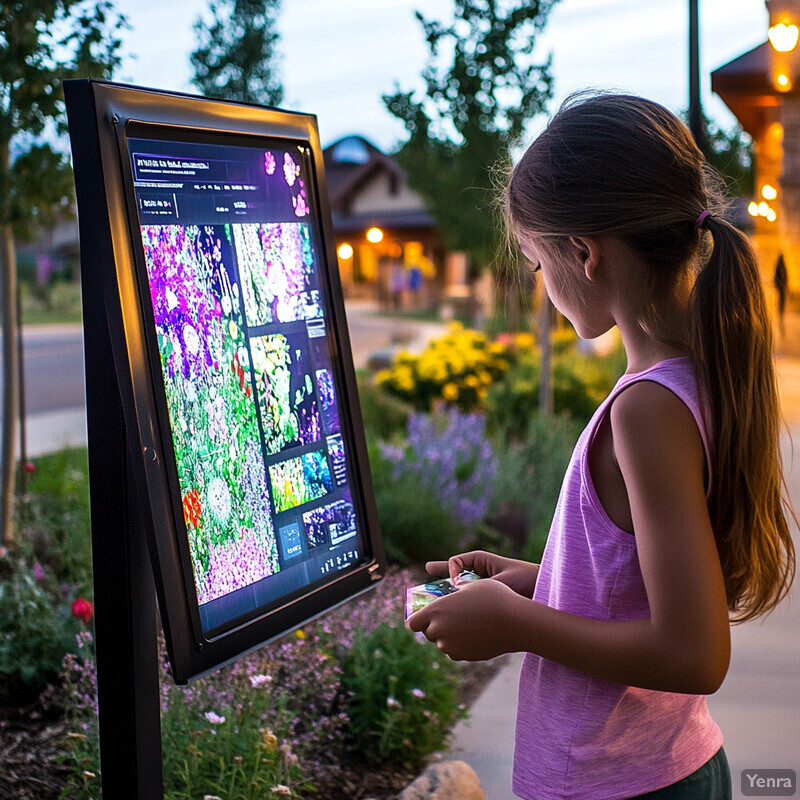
x,y
424,594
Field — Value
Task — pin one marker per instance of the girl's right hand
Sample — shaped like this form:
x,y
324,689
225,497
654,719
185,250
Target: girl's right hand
x,y
516,574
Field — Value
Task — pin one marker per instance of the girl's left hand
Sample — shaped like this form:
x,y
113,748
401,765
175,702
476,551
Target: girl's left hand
x,y
473,624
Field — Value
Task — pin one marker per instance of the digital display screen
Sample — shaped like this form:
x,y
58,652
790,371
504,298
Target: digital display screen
x,y
241,309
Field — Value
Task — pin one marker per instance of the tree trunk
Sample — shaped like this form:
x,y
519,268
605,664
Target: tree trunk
x,y
8,308
546,379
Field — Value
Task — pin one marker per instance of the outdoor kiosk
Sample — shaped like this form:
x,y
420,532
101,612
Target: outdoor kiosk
x,y
228,469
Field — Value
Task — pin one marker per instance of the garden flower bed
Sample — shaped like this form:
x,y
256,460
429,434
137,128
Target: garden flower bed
x,y
353,705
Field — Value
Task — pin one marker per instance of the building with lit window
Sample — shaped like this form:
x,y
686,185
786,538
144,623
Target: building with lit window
x,y
762,89
388,243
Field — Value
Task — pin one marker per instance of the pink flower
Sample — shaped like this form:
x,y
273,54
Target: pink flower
x,y
83,610
30,467
38,571
214,719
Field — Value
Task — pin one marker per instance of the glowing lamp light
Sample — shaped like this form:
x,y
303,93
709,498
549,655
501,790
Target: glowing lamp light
x,y
763,209
783,82
752,209
783,37
374,235
771,215
345,251
769,192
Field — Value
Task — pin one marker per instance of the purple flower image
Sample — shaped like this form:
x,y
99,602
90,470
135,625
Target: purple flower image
x,y
236,563
180,265
291,170
276,268
330,524
212,411
327,396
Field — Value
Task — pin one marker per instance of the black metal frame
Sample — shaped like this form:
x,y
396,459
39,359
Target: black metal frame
x,y
131,504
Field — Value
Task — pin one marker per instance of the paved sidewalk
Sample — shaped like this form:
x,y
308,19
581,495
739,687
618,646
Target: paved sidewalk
x,y
757,707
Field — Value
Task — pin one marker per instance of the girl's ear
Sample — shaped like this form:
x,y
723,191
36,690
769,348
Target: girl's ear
x,y
589,254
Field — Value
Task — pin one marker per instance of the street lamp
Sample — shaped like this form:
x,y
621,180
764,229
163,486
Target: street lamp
x,y
695,112
783,37
374,235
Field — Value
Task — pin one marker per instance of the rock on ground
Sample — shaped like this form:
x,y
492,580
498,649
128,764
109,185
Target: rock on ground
x,y
447,780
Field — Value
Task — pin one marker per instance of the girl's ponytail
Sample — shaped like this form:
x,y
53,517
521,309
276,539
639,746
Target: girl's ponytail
x,y
732,345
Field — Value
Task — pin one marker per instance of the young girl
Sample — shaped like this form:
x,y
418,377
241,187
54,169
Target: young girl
x,y
671,519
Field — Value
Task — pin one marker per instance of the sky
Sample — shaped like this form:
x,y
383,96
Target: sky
x,y
337,57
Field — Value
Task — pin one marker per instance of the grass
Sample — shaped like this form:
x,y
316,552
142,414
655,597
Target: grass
x,y
53,516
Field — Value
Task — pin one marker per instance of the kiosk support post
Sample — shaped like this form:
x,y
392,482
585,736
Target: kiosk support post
x,y
124,594
125,618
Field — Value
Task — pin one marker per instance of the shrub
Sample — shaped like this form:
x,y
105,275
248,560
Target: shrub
x,y
404,701
275,721
449,451
456,369
532,470
414,524
36,629
385,416
580,384
432,492
55,519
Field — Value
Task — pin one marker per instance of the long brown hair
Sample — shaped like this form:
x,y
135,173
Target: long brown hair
x,y
623,166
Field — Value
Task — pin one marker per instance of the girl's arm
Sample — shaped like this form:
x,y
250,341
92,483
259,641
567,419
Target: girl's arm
x,y
685,644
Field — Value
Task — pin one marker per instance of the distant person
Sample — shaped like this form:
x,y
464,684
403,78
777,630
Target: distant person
x,y
781,283
670,519
414,284
398,284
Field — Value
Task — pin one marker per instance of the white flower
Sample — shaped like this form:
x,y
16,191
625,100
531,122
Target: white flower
x,y
211,797
219,499
259,680
392,702
418,693
214,719
281,789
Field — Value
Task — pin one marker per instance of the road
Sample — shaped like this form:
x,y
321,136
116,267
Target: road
x,y
54,378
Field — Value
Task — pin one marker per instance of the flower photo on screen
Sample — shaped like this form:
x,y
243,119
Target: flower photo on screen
x,y
276,265
299,480
207,380
329,524
289,413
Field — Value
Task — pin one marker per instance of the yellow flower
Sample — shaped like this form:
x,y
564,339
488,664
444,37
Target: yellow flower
x,y
268,738
524,340
300,634
450,391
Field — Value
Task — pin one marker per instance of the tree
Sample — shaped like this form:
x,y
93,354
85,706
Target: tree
x,y
475,109
42,42
235,58
731,154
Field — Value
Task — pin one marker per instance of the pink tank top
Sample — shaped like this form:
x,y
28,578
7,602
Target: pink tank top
x,y
582,737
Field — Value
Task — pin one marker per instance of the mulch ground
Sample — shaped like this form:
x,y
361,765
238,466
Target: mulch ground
x,y
31,742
